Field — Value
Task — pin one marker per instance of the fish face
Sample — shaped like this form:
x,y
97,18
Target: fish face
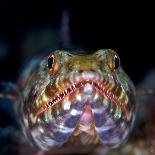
x,y
78,99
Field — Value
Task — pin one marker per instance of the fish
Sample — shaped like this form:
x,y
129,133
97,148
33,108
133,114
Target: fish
x,y
76,99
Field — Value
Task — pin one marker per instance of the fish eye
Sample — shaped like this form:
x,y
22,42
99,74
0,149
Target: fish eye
x,y
50,61
116,62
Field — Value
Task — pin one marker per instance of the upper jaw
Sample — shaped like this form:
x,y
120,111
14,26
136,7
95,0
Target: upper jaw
x,y
86,76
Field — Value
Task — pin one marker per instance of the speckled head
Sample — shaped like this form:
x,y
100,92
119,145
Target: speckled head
x,y
80,99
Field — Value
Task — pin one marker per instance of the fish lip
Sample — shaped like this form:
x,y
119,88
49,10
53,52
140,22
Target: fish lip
x,y
101,86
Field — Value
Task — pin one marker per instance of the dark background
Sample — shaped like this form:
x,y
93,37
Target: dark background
x,y
28,28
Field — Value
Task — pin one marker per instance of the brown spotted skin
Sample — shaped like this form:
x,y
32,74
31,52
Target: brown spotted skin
x,y
73,98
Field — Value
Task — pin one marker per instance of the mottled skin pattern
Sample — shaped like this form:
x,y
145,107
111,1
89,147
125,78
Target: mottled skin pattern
x,y
72,98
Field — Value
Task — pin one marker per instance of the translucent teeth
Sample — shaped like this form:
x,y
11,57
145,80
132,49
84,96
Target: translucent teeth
x,y
75,112
96,97
79,97
106,101
88,89
88,75
66,104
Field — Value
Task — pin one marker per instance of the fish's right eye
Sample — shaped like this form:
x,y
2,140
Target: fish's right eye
x,y
116,62
50,61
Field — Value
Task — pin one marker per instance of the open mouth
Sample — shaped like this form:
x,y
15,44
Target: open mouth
x,y
99,86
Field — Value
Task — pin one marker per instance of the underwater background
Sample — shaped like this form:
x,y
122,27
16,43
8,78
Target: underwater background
x,y
29,28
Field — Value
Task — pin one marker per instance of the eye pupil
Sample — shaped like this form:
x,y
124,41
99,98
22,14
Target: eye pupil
x,y
50,62
117,62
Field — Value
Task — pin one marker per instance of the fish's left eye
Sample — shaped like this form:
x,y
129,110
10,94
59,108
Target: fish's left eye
x,y
50,61
116,62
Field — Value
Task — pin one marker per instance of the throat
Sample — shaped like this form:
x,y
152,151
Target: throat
x,y
87,115
85,132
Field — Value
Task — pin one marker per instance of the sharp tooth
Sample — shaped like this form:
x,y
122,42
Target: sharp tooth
x,y
65,91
